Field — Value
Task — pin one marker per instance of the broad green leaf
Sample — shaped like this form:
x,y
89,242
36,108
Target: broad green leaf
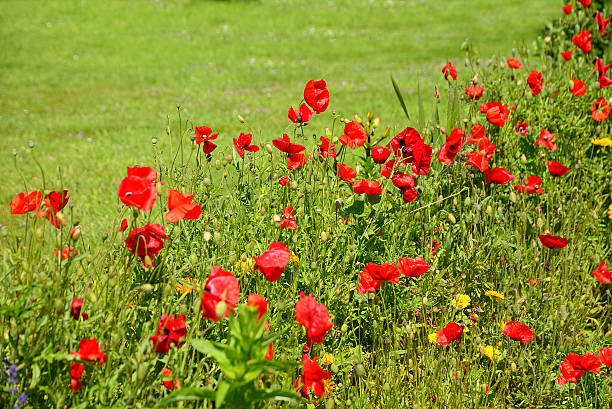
x,y
399,96
186,393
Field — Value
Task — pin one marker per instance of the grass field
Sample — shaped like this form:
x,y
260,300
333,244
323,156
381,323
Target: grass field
x,y
91,85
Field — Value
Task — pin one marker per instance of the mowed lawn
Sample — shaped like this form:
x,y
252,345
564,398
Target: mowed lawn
x,y
92,82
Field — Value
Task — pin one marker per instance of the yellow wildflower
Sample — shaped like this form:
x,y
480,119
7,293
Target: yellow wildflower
x,y
502,325
246,265
610,212
186,287
460,301
602,142
328,359
491,352
495,294
432,338
294,259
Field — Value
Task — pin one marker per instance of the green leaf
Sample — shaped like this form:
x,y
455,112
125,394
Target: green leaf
x,y
222,390
186,393
399,96
357,207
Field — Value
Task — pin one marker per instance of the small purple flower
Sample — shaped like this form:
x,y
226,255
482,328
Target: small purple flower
x,y
21,400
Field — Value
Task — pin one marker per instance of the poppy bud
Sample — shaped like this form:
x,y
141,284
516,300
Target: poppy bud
x,y
61,218
334,368
360,371
154,141
328,132
168,130
207,236
338,203
387,130
451,218
207,182
58,306
358,119
512,197
324,236
40,234
344,328
221,309
225,174
489,210
455,202
147,260
240,118
467,202
276,219
224,162
14,152
513,367
31,144
75,233
376,122
547,40
294,185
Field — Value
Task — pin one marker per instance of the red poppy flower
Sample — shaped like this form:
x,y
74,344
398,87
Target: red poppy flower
x,y
605,356
499,176
451,332
170,331
124,225
54,202
297,160
552,242
449,70
302,116
369,187
312,378
557,169
285,145
602,274
387,168
373,275
89,350
521,128
600,67
409,147
380,154
497,114
453,145
434,246
604,81
327,148
530,185
313,316
346,173
259,302
170,383
567,55
578,87
67,252
478,160
288,221
574,366
601,23
477,133
243,143
546,140
535,82
515,64
412,267
180,207
354,135
518,331
220,286
76,373
75,310
474,92
568,8
146,242
402,181
409,194
421,157
600,110
582,40
316,95
138,188
272,263
585,3
283,181
26,202
203,134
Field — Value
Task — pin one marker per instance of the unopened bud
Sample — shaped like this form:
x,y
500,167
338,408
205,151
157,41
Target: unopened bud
x,y
547,39
269,148
451,218
376,122
523,159
40,234
328,132
218,164
221,309
148,261
324,236
467,202
159,188
338,203
370,115
240,118
360,370
75,233
294,185
154,141
61,218
386,132
31,144
512,197
207,182
358,119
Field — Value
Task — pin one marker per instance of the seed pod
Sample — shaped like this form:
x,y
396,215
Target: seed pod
x,y
467,202
360,370
324,236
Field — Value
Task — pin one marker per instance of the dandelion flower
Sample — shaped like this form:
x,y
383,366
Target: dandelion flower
x,y
602,142
328,359
495,294
294,259
432,338
491,352
461,301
